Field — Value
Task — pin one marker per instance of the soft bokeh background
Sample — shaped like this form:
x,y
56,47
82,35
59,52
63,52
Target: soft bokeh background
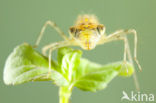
x,y
21,21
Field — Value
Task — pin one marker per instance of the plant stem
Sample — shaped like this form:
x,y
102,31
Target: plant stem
x,y
64,94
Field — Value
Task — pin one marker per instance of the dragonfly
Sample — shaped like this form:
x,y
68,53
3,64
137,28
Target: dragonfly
x,y
87,33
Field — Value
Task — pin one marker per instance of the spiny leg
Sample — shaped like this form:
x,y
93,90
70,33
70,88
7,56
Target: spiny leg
x,y
122,33
131,61
51,47
47,47
114,37
125,53
135,48
49,58
53,25
117,36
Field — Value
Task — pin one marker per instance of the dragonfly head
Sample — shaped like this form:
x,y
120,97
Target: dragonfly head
x,y
87,36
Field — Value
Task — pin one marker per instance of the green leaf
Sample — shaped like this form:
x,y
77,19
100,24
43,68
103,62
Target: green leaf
x,y
68,60
93,77
61,52
24,64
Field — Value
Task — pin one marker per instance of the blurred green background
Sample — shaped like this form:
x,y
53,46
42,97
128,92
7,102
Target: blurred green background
x,y
22,20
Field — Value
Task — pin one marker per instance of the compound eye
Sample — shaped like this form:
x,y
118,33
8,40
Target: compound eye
x,y
74,31
100,29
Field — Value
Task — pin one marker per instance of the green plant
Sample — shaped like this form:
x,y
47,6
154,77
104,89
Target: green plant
x,y
70,70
